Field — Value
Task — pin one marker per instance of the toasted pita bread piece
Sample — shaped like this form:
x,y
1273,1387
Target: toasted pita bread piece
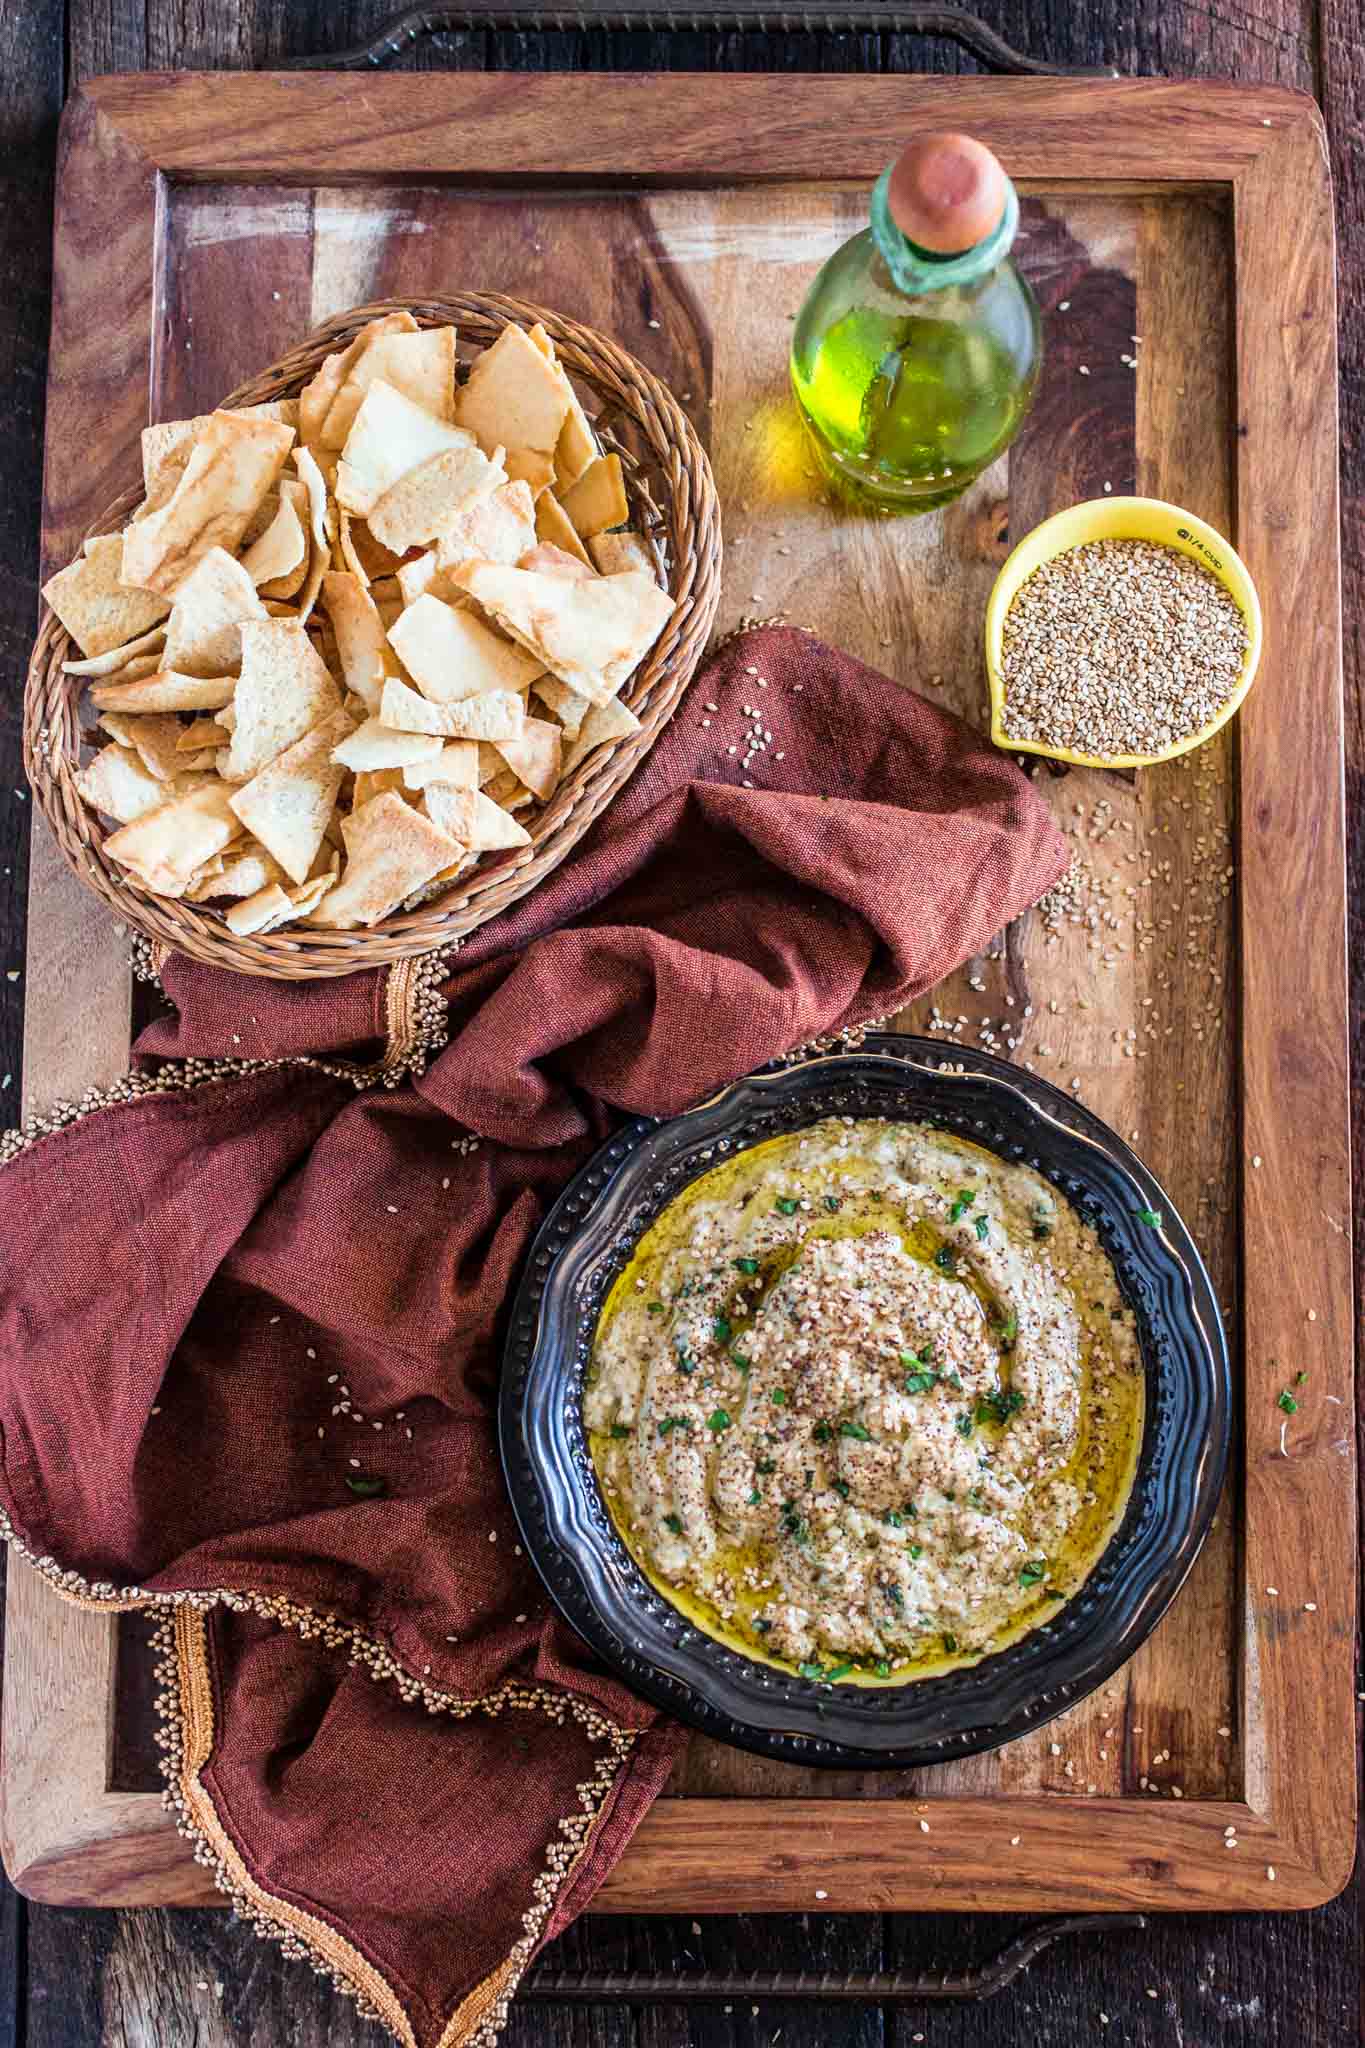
x,y
457,763
320,512
621,550
118,658
319,394
203,634
245,871
389,437
166,690
98,610
259,913
598,499
554,528
391,850
284,691
166,848
421,365
493,715
610,721
277,562
372,782
535,755
472,818
288,804
496,528
555,561
363,648
451,655
375,746
577,444
568,706
232,465
517,398
153,740
422,503
117,783
166,446
204,732
591,633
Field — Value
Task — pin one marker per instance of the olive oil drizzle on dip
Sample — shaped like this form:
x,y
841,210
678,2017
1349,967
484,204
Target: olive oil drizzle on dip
x,y
866,1403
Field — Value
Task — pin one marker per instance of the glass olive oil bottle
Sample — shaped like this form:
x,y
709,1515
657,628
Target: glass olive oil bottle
x,y
916,354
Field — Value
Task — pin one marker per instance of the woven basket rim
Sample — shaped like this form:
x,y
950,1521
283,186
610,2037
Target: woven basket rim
x,y
688,514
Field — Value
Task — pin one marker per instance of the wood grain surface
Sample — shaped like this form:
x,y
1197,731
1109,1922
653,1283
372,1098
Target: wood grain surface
x,y
143,1972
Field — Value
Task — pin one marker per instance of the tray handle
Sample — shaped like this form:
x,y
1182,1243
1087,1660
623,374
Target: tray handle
x,y
873,1987
859,17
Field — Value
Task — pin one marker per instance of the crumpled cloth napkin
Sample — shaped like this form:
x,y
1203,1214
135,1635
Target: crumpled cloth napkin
x,y
239,1300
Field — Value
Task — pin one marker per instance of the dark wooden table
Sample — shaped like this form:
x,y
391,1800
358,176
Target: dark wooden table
x,y
72,1979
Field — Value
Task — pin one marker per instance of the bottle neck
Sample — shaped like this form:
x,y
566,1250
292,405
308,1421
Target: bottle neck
x,y
914,270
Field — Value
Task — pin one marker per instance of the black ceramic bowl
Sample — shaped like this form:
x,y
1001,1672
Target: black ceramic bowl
x,y
588,1237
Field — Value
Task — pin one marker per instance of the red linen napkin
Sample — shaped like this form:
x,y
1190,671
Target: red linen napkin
x,y
237,1300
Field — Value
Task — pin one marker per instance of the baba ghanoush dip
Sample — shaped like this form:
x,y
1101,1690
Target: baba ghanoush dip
x,y
866,1401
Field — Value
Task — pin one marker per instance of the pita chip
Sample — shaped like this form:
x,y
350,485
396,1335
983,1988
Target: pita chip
x,y
319,512
391,850
319,394
278,561
493,715
166,690
610,721
421,365
473,819
118,657
577,445
567,705
205,732
117,783
390,436
598,499
590,633
156,743
370,782
363,648
451,655
374,746
457,763
166,446
243,873
554,526
555,561
259,913
283,692
288,804
516,397
232,465
203,634
98,610
166,848
422,504
620,550
496,528
534,755
508,791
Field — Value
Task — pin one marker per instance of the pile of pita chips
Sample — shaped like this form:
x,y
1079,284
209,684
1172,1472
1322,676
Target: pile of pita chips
x,y
351,641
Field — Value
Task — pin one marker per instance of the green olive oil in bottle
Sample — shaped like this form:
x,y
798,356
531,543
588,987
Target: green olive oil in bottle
x,y
916,354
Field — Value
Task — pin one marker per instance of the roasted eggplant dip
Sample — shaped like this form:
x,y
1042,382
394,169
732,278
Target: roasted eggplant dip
x,y
867,1401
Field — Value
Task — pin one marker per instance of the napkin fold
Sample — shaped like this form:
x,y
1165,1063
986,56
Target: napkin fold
x,y
252,1305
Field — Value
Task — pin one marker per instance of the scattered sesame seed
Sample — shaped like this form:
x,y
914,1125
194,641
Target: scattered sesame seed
x,y
924,1827
1256,1159
1270,1872
822,1895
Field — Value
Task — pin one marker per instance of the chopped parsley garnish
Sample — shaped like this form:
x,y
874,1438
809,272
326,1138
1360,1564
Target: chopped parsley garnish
x,y
761,1625
950,1379
787,1205
779,1395
999,1405
816,1671
920,1382
368,1489
1299,1378
916,1550
837,1671
720,1330
1009,1330
965,1198
674,1522
950,1644
1042,1229
833,1204
983,1227
912,1360
882,1669
747,1265
740,1364
896,1521
754,1498
686,1362
945,1259
964,1423
763,1466
840,1487
894,1595
674,1422
620,1429
1288,1403
792,1523
1151,1217
718,1420
1032,1573
822,1432
856,1431
655,1308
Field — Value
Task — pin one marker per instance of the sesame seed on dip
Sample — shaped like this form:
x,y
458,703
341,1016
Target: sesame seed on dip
x,y
866,1400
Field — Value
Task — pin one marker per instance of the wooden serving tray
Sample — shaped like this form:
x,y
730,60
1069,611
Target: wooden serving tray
x,y
1192,988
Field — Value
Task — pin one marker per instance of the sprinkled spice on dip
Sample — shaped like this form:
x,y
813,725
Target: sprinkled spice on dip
x,y
866,1401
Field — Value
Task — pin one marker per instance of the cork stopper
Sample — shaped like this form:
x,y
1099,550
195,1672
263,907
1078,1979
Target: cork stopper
x,y
947,193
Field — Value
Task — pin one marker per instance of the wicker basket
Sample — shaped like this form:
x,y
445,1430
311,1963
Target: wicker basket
x,y
673,502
